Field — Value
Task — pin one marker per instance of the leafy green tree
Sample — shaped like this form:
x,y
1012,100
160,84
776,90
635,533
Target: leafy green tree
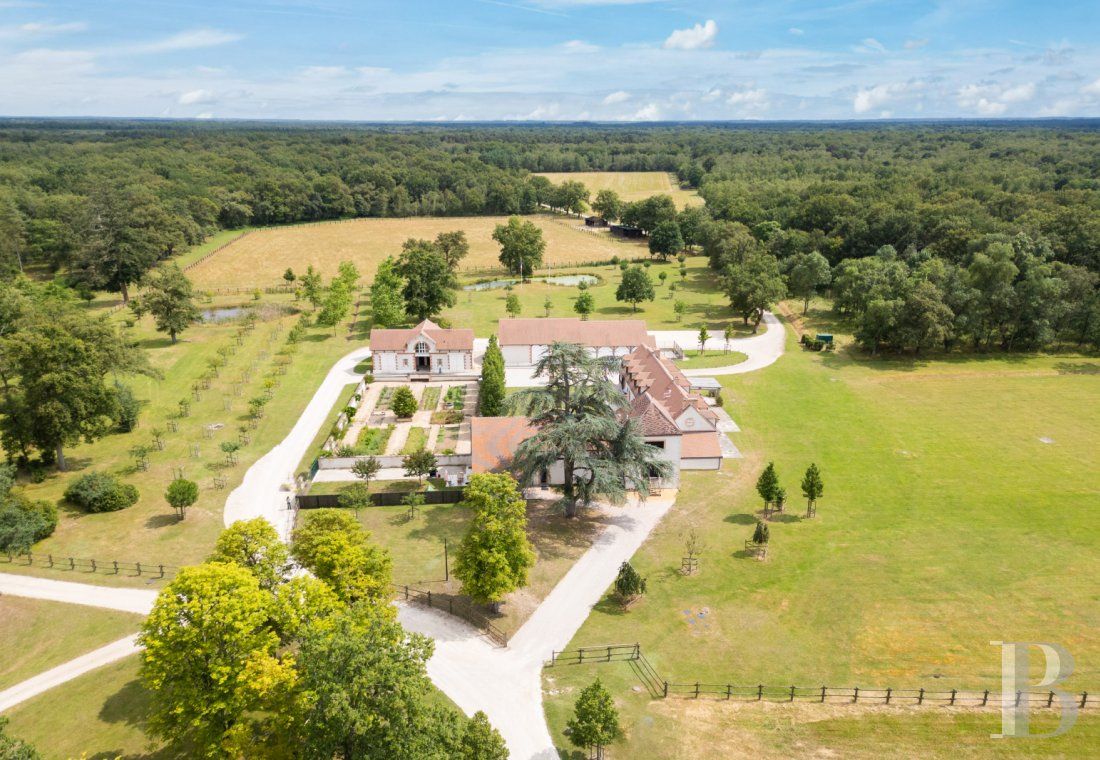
x,y
679,307
608,205
666,240
355,496
480,741
454,246
576,416
332,545
584,305
17,749
728,334
513,306
419,463
812,486
366,469
753,286
690,222
336,305
628,584
256,546
386,299
289,276
762,534
595,721
807,273
23,522
206,644
704,336
430,284
521,246
129,408
635,287
495,554
403,403
368,693
181,494
571,196
312,288
348,274
547,307
492,387
168,297
767,485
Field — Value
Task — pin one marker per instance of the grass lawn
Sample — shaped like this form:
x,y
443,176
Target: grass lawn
x,y
947,522
704,303
373,440
712,358
631,186
334,414
259,259
50,633
148,532
416,441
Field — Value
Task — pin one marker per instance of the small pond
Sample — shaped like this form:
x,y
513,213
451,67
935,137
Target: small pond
x,y
569,280
222,315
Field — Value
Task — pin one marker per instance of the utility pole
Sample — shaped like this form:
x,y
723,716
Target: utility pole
x,y
446,562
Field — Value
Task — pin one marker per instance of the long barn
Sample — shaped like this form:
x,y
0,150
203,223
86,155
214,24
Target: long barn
x,y
523,341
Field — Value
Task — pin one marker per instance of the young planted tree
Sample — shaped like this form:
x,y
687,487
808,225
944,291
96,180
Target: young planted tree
x,y
762,534
679,307
812,488
662,276
495,555
521,246
403,403
513,306
419,463
576,415
289,277
595,721
584,305
635,287
366,469
704,336
181,494
767,485
492,389
169,298
547,307
728,334
628,584
335,305
312,289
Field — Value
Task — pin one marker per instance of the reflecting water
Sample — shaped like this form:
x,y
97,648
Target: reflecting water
x,y
570,280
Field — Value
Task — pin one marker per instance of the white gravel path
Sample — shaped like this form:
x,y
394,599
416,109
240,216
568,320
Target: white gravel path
x,y
261,492
506,683
67,671
136,600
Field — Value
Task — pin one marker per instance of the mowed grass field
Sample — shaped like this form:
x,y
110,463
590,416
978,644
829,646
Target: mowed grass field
x,y
631,186
959,509
260,257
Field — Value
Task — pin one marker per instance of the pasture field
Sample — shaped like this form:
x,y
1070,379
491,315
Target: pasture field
x,y
148,532
50,633
959,509
631,186
260,257
703,301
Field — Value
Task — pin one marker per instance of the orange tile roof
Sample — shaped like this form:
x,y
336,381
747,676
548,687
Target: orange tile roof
x,y
700,445
494,441
444,340
593,333
649,373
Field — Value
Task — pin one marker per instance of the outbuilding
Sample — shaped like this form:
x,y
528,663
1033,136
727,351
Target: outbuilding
x,y
424,351
524,341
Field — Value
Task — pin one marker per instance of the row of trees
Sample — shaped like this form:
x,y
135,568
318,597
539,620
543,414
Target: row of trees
x,y
242,659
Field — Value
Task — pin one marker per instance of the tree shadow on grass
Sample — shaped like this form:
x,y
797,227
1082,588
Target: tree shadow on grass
x,y
742,519
783,517
609,605
130,706
1069,368
161,521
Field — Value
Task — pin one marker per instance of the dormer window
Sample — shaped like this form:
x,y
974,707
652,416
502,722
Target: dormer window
x,y
422,349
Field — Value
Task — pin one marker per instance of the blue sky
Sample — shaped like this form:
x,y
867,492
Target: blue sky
x,y
622,60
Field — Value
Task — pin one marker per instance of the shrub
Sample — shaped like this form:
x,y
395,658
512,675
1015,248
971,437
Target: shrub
x,y
368,378
761,535
24,522
129,408
403,403
720,400
615,260
628,584
443,323
100,492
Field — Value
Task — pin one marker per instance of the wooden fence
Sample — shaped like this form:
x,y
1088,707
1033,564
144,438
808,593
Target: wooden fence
x,y
454,606
76,564
321,501
221,247
661,687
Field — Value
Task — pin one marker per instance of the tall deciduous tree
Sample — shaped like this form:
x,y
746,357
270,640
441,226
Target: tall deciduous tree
x,y
513,306
168,296
585,304
595,721
366,469
753,286
576,416
419,464
635,287
492,388
386,300
312,289
521,246
336,304
333,546
608,205
430,284
181,494
454,246
495,555
666,240
807,273
256,546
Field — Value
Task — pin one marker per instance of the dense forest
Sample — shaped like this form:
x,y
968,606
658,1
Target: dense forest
x,y
974,221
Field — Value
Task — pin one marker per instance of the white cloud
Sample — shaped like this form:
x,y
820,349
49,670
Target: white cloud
x,y
987,107
697,37
38,29
795,31
580,46
189,40
1019,94
749,98
993,99
916,44
194,97
649,112
1092,89
868,99
205,115
711,95
871,45
619,96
